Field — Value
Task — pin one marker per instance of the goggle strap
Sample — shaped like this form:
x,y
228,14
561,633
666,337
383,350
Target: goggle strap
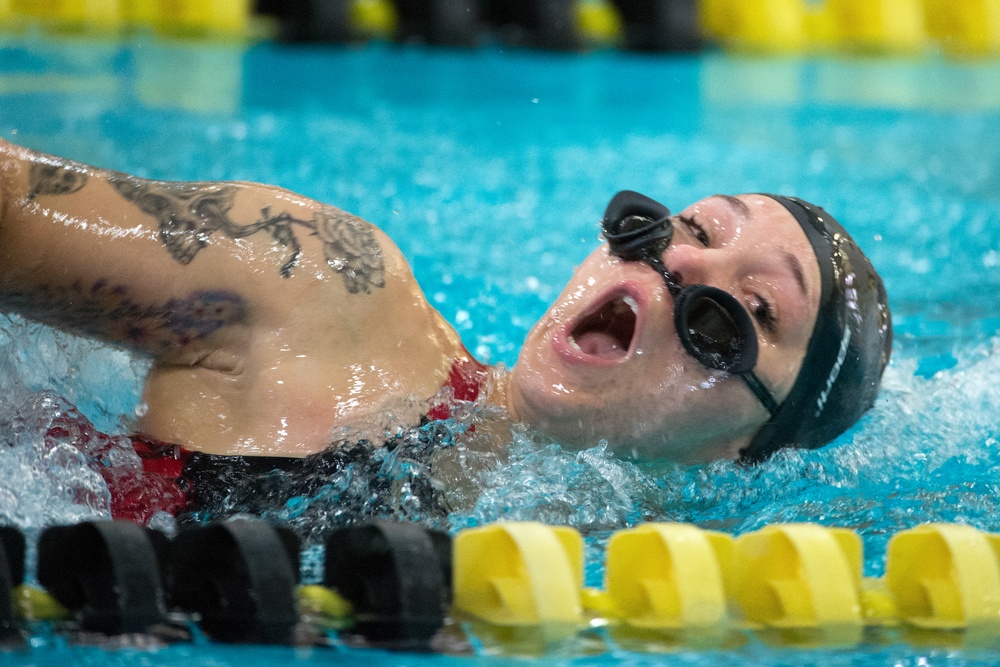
x,y
760,391
657,264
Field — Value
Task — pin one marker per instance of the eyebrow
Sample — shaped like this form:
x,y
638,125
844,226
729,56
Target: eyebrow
x,y
793,263
738,204
796,267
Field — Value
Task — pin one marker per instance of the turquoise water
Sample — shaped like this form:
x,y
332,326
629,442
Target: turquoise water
x,y
490,169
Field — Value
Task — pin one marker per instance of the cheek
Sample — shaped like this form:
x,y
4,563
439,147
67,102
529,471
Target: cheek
x,y
692,415
778,367
658,402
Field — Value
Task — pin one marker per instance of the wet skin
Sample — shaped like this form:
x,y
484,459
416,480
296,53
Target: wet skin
x,y
581,377
278,325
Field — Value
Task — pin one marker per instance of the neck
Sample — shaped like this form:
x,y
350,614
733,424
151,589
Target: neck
x,y
497,395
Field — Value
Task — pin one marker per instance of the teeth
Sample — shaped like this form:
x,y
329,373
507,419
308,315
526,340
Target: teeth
x,y
630,302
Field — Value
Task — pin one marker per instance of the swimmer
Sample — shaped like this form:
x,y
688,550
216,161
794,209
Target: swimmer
x,y
276,324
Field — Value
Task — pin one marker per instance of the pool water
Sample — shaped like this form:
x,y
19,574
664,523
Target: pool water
x,y
490,170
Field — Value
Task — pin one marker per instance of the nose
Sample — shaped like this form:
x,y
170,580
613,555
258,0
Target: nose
x,y
694,265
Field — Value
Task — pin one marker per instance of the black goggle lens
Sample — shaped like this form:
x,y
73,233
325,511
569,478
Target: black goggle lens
x,y
716,329
713,329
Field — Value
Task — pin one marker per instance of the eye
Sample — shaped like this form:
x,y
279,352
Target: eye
x,y
696,229
763,312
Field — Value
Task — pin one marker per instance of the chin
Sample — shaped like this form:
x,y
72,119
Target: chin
x,y
685,450
577,424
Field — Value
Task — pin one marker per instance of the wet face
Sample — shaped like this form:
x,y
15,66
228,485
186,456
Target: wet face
x,y
606,362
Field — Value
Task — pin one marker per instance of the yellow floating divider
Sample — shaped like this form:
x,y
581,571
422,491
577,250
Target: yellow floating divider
x,y
772,26
525,575
895,26
219,18
99,16
202,17
374,18
599,23
141,13
669,576
791,584
35,604
965,27
801,580
946,577
6,13
326,603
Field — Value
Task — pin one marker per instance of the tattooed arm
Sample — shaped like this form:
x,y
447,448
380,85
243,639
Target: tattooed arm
x,y
273,320
159,265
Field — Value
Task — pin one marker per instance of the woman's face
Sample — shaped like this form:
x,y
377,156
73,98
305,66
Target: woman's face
x,y
606,362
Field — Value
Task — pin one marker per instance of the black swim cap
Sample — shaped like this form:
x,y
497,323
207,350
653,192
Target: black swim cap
x,y
849,348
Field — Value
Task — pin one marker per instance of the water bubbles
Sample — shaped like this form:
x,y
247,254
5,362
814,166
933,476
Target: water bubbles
x,y
141,409
164,522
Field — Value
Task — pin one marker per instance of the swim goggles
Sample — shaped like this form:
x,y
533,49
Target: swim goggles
x,y
713,326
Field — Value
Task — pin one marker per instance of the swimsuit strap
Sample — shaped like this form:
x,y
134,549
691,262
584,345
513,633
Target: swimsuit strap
x,y
160,457
466,379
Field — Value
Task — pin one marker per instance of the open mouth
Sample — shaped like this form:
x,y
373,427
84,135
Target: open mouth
x,y
607,332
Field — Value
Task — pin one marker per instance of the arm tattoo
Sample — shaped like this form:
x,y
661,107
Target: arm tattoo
x,y
350,247
108,310
54,179
189,213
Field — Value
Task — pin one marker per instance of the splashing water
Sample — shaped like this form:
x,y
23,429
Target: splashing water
x,y
927,451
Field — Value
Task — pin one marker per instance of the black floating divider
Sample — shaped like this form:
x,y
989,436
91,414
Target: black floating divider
x,y
240,577
661,25
547,24
109,572
398,578
312,20
446,22
11,576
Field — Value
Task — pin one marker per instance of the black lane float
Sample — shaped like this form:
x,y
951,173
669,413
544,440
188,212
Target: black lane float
x,y
562,25
238,580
